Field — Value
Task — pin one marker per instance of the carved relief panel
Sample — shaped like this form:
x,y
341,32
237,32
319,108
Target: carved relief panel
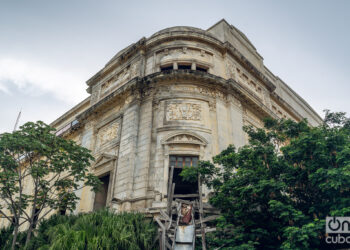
x,y
86,138
183,111
119,78
107,134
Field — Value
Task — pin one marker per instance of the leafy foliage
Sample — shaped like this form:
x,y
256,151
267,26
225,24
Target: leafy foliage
x,y
276,192
99,230
5,234
35,157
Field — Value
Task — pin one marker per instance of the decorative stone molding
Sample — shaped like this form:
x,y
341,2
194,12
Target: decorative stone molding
x,y
279,111
181,127
244,78
183,111
184,138
107,133
94,96
123,76
211,92
230,69
212,105
103,159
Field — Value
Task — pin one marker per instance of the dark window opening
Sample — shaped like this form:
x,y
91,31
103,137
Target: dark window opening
x,y
62,210
170,67
36,217
13,219
184,66
101,195
179,162
201,69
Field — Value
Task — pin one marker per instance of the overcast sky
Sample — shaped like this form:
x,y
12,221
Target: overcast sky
x,y
48,49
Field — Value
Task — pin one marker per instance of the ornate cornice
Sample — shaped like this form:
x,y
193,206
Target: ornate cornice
x,y
138,86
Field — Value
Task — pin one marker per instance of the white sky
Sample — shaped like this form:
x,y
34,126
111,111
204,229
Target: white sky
x,y
48,49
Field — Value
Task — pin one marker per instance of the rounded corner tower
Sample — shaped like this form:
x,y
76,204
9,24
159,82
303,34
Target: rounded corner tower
x,y
177,97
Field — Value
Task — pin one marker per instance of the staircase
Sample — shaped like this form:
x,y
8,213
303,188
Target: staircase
x,y
184,220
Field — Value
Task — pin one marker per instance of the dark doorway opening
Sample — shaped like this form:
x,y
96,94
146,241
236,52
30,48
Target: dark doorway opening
x,y
179,162
101,195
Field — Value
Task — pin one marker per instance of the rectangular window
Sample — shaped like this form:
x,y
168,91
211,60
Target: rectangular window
x,y
183,161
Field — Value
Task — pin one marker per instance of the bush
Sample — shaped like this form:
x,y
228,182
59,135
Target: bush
x,y
98,230
5,234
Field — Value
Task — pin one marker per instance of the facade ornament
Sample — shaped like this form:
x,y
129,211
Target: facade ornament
x,y
107,133
212,105
183,111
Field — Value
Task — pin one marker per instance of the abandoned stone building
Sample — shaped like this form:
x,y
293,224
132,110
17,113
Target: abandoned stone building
x,y
177,97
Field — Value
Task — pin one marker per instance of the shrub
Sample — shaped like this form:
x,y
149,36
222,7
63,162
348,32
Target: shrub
x,y
98,230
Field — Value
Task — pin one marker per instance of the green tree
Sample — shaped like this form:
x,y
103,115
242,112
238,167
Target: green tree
x,y
52,166
276,192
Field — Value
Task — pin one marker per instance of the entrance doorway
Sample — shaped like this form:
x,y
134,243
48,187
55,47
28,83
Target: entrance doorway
x,y
179,162
101,194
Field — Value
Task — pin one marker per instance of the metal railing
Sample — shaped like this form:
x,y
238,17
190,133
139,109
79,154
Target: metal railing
x,y
67,127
